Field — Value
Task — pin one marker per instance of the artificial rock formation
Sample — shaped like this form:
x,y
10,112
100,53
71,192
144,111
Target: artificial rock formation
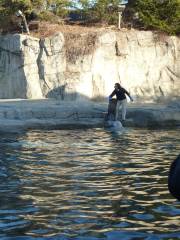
x,y
87,65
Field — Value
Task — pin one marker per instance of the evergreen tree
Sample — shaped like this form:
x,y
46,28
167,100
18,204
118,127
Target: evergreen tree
x,y
62,7
38,8
107,10
11,6
161,15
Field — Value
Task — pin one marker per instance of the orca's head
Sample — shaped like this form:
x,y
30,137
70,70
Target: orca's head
x,y
174,178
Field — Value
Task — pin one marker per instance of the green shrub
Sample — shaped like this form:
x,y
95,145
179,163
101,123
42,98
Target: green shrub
x,y
48,17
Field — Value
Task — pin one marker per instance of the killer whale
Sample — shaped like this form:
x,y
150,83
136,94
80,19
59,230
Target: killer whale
x,y
174,178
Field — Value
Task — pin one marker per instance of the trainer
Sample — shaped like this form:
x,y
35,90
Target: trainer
x,y
120,93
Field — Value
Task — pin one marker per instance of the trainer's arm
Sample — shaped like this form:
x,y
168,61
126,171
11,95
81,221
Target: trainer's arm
x,y
112,94
127,93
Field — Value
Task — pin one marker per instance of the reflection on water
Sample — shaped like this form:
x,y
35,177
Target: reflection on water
x,y
88,184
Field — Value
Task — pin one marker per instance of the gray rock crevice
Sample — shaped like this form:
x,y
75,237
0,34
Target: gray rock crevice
x,y
40,64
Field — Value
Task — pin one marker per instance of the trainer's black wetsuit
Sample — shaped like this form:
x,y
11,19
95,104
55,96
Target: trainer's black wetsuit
x,y
120,94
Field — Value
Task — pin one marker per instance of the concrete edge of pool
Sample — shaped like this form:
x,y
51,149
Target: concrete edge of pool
x,y
19,114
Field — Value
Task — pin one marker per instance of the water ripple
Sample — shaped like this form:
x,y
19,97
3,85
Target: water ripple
x,y
88,184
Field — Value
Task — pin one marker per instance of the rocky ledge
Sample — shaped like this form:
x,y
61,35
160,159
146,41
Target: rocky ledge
x,y
17,115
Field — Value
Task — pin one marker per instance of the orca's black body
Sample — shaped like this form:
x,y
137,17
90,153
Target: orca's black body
x,y
111,109
174,178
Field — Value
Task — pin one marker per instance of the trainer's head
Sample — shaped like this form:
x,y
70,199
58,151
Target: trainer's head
x,y
117,86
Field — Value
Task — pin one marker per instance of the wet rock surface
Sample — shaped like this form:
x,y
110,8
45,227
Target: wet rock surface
x,y
16,115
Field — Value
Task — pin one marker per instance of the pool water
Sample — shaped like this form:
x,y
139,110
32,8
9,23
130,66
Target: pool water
x,y
88,184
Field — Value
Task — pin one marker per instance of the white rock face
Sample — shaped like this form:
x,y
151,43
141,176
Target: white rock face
x,y
19,77
150,68
31,51
145,63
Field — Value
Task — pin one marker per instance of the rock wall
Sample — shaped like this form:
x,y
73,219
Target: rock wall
x,y
88,65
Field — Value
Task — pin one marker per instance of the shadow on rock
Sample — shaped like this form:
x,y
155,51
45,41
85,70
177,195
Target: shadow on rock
x,y
62,93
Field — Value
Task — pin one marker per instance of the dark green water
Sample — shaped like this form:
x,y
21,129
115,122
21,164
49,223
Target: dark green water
x,y
88,184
